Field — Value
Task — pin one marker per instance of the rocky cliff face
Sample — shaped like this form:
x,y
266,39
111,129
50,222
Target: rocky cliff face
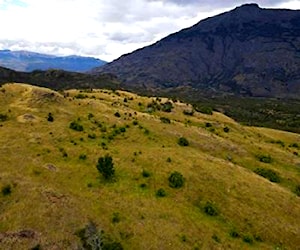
x,y
248,51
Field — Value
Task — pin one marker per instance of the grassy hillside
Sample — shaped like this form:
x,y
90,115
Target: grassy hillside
x,y
51,189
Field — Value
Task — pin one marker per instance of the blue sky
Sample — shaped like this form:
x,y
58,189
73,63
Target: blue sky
x,y
104,28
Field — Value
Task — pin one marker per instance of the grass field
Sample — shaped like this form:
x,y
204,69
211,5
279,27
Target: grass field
x,y
51,187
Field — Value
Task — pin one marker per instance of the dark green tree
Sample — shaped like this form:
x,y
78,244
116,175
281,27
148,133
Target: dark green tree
x,y
105,166
176,180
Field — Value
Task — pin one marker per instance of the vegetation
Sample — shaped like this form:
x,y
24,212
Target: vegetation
x,y
76,126
3,117
182,141
176,180
52,173
105,167
6,190
268,174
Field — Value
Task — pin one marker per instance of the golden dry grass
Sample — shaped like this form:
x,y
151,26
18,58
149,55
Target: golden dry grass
x,y
54,193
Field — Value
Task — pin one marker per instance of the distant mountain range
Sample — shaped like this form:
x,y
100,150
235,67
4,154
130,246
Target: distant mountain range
x,y
28,61
248,51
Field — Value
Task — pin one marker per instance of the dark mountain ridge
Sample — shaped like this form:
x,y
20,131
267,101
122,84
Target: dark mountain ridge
x,y
28,61
59,79
248,51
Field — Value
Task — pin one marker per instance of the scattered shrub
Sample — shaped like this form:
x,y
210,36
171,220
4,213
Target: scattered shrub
x,y
92,136
90,116
3,117
167,107
76,126
50,118
6,190
82,157
116,218
146,173
183,142
165,120
216,238
208,125
161,193
226,129
234,233
106,166
188,112
210,209
292,145
117,114
93,239
176,180
36,247
268,174
204,110
248,239
297,190
143,185
265,158
169,160
80,96
135,122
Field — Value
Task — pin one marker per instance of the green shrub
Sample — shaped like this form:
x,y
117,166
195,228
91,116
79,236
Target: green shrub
x,y
183,142
76,126
117,114
165,120
248,239
146,173
268,174
3,117
210,209
92,136
188,112
50,118
116,218
204,110
226,129
234,233
292,145
176,180
82,157
6,190
161,193
265,158
297,190
167,106
106,167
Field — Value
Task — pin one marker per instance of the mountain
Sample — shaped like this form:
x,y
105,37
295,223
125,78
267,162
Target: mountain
x,y
249,51
59,79
182,179
29,61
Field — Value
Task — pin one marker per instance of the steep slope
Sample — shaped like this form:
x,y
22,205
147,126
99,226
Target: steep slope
x,y
28,61
50,186
59,79
248,51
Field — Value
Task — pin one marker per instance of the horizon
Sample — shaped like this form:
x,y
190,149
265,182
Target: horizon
x,y
104,30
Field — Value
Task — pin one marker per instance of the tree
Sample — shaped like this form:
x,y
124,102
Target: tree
x,y
50,118
105,166
176,180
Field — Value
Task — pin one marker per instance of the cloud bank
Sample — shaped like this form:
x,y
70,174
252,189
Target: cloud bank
x,y
101,28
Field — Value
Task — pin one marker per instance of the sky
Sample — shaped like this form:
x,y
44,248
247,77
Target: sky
x,y
105,29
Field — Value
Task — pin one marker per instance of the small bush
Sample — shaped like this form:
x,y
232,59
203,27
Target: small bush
x,y
188,112
6,190
92,136
146,174
50,118
3,117
210,209
167,107
265,158
165,120
161,193
169,160
117,114
176,180
204,110
248,239
76,126
135,123
226,129
105,166
183,142
116,218
297,190
82,157
292,145
234,233
268,174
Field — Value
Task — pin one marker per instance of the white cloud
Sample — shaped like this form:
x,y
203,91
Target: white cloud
x,y
102,28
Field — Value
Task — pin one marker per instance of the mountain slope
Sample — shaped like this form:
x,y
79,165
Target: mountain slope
x,y
51,187
248,51
28,61
59,79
